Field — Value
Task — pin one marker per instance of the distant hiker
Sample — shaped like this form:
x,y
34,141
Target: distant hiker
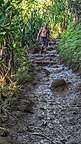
x,y
43,36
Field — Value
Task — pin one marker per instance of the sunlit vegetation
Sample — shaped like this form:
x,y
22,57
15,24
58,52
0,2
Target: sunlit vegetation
x,y
20,21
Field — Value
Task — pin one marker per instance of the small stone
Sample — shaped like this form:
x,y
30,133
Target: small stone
x,y
43,108
63,141
42,141
44,123
4,140
40,117
4,132
26,107
50,126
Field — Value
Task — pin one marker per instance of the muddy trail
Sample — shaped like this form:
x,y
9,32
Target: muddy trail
x,y
53,115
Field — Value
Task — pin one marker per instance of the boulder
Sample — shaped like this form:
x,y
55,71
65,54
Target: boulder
x,y
58,83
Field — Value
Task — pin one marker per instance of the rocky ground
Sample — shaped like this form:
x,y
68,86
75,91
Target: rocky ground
x,y
53,113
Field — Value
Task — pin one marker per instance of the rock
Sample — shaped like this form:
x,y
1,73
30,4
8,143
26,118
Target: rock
x,y
41,62
4,132
43,107
58,83
36,50
26,107
40,117
46,71
44,123
4,140
78,87
63,141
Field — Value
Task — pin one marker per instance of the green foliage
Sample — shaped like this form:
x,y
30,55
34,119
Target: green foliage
x,y
70,43
13,55
31,29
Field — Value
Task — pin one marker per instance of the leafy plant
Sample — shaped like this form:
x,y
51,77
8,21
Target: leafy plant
x,y
70,44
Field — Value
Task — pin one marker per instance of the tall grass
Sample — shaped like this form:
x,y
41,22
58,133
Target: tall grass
x,y
70,44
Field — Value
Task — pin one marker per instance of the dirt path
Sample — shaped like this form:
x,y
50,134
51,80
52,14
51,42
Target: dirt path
x,y
56,114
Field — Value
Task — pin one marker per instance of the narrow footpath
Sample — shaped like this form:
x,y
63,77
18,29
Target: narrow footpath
x,y
56,114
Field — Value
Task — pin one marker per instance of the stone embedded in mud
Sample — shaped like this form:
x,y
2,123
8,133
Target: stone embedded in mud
x,y
47,72
4,140
36,50
26,106
4,132
58,83
78,87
